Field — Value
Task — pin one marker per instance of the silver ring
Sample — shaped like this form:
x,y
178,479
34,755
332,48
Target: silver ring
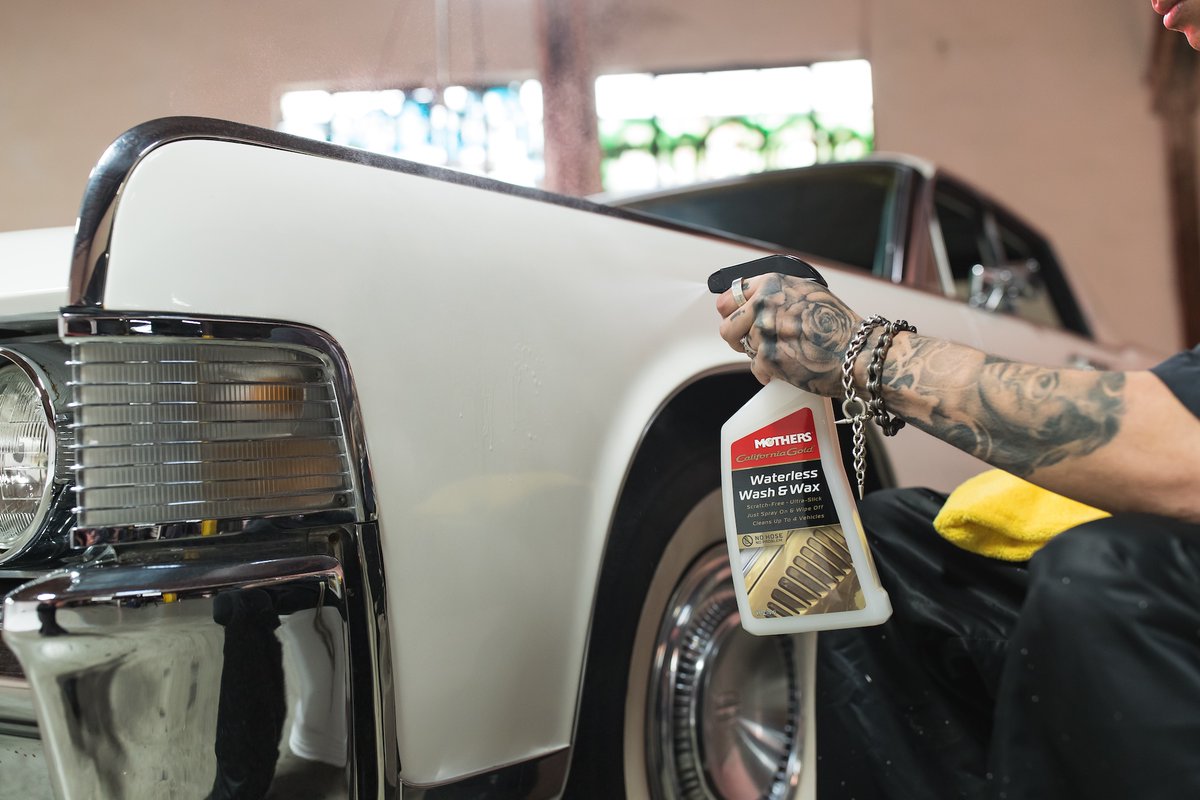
x,y
746,346
739,293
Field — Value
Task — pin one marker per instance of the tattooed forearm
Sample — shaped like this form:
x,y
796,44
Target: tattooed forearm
x,y
1014,416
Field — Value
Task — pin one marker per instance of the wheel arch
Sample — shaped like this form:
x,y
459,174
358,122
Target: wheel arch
x,y
686,426
682,437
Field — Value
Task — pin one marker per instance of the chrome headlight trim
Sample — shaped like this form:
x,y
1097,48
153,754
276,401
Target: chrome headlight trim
x,y
43,364
80,325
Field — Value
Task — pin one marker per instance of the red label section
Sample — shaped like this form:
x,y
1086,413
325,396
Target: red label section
x,y
784,441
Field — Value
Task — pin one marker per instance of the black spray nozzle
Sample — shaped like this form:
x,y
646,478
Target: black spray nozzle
x,y
722,279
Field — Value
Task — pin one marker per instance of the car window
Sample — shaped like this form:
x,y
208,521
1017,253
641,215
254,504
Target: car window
x,y
964,236
992,260
846,212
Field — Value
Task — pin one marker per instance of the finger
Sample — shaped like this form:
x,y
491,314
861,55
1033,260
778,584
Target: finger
x,y
737,325
727,303
748,345
761,370
751,285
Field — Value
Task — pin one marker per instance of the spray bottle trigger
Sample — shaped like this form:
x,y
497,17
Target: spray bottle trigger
x,y
722,279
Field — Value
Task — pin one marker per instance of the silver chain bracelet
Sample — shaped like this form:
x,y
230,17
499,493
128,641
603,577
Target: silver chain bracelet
x,y
854,409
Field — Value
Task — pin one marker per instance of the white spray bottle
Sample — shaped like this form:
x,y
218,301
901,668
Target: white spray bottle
x,y
800,559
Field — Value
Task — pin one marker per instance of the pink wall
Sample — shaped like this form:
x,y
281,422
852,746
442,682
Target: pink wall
x,y
1043,104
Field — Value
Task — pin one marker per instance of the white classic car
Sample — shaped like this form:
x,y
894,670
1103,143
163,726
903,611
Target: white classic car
x,y
329,474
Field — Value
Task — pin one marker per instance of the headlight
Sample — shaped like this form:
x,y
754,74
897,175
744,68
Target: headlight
x,y
34,451
26,455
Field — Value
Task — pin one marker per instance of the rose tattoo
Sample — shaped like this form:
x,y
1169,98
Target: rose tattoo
x,y
825,330
804,332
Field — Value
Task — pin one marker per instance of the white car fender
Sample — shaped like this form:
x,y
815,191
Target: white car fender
x,y
504,374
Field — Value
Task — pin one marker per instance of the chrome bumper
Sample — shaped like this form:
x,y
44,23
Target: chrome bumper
x,y
212,670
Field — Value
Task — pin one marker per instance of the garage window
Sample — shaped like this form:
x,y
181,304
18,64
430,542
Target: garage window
x,y
656,130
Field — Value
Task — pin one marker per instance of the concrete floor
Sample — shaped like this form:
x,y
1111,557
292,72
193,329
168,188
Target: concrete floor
x,y
23,770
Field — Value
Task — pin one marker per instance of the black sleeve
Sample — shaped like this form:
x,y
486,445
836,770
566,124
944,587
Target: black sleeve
x,y
1181,374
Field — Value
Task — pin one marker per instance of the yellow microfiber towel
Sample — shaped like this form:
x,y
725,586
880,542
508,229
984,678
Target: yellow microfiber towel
x,y
997,514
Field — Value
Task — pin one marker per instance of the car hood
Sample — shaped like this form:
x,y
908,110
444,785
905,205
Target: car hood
x,y
34,268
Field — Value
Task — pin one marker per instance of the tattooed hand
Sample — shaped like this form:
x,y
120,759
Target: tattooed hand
x,y
797,329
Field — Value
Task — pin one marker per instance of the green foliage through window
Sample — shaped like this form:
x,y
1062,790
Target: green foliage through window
x,y
655,130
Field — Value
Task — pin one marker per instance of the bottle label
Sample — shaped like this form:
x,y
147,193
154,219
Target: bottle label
x,y
794,558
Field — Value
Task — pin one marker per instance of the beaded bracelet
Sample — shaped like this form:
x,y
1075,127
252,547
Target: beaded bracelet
x,y
854,409
889,424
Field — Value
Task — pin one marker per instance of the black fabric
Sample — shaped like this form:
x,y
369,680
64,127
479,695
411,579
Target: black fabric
x,y
1181,374
1075,675
905,708
1100,696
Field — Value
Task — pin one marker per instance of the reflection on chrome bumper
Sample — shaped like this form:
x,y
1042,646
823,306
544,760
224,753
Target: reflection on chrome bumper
x,y
16,709
188,674
252,666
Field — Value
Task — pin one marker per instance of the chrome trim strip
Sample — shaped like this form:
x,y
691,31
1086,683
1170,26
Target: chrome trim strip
x,y
77,324
186,462
538,778
36,374
89,538
941,257
182,503
898,235
109,584
198,482
97,213
376,750
78,447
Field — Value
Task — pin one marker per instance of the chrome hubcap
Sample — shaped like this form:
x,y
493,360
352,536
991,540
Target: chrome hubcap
x,y
723,720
